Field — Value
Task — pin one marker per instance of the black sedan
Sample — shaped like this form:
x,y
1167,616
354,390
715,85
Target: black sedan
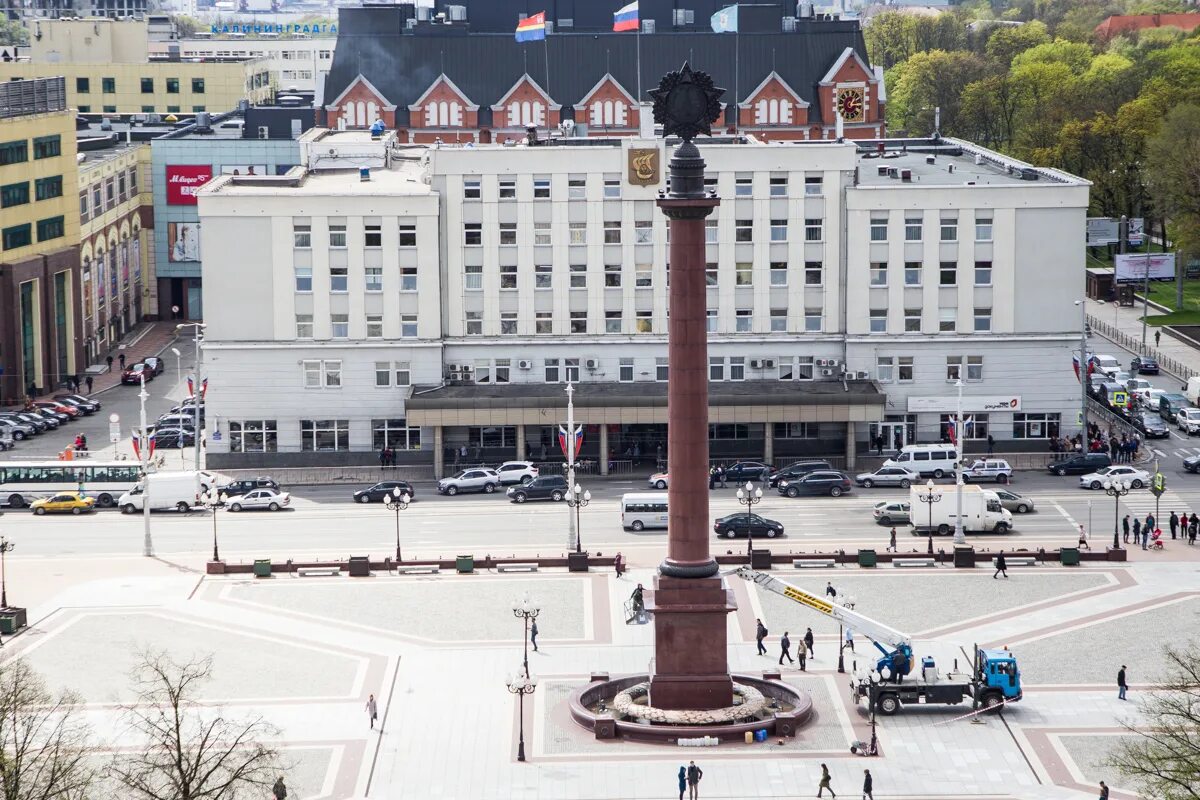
x,y
382,492
799,469
738,524
173,438
1192,464
1143,365
748,471
834,484
1151,425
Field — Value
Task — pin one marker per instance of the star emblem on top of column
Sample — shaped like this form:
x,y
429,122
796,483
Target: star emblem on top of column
x,y
686,103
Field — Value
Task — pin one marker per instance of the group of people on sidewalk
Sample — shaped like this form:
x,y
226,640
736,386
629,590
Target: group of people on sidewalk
x,y
1122,449
689,782
1144,532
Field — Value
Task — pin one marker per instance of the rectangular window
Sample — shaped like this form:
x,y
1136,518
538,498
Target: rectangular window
x,y
779,187
814,230
612,275
198,109
338,279
878,228
253,436
543,276
813,273
983,320
508,323
579,276
947,320
912,273
83,85
711,231
612,321
571,369
813,185
778,320
474,320
812,320
503,366
374,279
661,369
508,276
109,109
743,186
383,373
108,85
804,368
543,322
625,374
317,435
551,367
643,232
949,232
172,85
612,232
85,109
83,207
541,233
578,322
716,368
303,279
744,273
408,235
744,318
612,189
372,236
374,326
878,320
983,228
472,234
508,233
885,369
737,368
197,85
1035,426
508,189
983,273
541,188
779,273
912,320
912,227
45,188
47,146
408,279
743,230
52,228
643,277
301,236
779,230
304,326
710,275
408,325
473,277
337,236
576,188
795,430
318,374
147,85
577,233
974,368
878,273
644,322
339,326
471,189
948,274
14,194
953,368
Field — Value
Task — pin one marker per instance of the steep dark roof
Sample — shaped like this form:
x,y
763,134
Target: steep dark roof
x,y
402,65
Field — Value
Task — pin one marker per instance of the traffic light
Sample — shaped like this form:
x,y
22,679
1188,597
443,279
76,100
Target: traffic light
x,y
1159,484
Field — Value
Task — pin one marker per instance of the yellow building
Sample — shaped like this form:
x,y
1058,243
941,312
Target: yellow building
x,y
39,238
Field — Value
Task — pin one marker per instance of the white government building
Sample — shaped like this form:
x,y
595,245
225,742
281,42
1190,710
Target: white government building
x,y
438,304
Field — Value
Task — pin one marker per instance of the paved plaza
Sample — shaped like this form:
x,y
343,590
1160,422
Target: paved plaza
x,y
435,650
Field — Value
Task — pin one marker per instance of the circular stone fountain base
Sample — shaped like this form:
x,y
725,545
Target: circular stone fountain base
x,y
615,708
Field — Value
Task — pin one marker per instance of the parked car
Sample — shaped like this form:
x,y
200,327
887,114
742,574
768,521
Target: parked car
x,y
1014,502
176,421
18,429
1137,478
479,479
1148,398
133,374
742,471
834,484
36,420
64,503
659,480
246,485
84,404
736,525
155,363
258,499
1080,464
545,487
887,476
1122,377
796,470
1151,425
35,427
382,492
1188,420
188,411
894,512
52,420
174,438
63,411
1136,386
1169,405
1143,365
516,472
988,469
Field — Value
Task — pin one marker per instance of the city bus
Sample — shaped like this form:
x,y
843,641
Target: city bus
x,y
644,510
21,482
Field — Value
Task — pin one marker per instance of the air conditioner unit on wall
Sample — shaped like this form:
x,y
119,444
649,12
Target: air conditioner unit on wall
x,y
826,372
524,364
822,362
756,363
467,369
768,363
863,375
591,363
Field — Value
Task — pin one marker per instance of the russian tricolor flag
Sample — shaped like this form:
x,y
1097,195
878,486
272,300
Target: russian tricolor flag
x,y
138,438
1091,365
532,29
192,387
626,18
562,441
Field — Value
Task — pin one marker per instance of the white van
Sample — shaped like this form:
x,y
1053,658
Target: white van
x,y
934,460
178,491
643,510
1192,391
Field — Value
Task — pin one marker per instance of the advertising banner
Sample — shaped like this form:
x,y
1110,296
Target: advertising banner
x,y
183,180
183,241
1138,267
949,403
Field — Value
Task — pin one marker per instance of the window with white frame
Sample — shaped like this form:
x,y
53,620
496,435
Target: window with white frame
x,y
304,326
612,321
408,326
508,323
779,230
912,320
737,368
473,277
577,233
743,230
324,435
779,186
541,188
508,188
878,273
373,236
983,273
744,273
878,320
508,277
710,182
814,273
471,189
579,276
879,227
983,320
912,273
948,273
338,279
947,320
373,277
571,369
912,227
983,227
805,368
711,274
508,233
710,320
885,369
503,370
1035,426
716,368
643,276
625,371
812,320
612,188
543,276
813,185
394,434
974,368
541,234
954,368
474,321
743,186
711,231
374,326
779,275
643,232
408,279
383,374
253,436
543,322
787,368
904,369
473,234
814,230
302,236
778,320
661,370
612,231
550,365
612,275
576,188
321,374
408,235
743,318
949,231
578,322
644,322
482,370
303,279
337,236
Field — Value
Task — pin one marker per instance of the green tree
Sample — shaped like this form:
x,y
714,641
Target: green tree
x,y
13,32
1006,43
1045,93
988,112
926,81
1077,57
1173,175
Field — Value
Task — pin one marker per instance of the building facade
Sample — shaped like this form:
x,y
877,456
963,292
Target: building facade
x,y
39,239
850,288
293,63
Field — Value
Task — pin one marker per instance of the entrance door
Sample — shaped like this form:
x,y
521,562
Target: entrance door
x,y
194,311
891,435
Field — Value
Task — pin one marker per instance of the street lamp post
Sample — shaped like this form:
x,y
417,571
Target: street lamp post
x,y
5,547
527,610
179,381
749,497
212,501
960,539
929,497
1116,490
398,501
572,536
849,604
197,394
521,684
577,498
1083,370
144,452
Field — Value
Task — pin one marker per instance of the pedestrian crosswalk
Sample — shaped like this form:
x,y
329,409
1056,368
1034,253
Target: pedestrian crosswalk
x,y
1167,451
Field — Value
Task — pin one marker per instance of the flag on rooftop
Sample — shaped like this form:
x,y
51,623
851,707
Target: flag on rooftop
x,y
725,20
533,28
626,18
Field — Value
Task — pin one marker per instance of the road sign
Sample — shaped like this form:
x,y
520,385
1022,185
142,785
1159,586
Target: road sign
x,y
1159,484
114,432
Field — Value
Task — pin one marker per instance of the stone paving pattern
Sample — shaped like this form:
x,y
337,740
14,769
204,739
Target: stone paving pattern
x,y
1090,754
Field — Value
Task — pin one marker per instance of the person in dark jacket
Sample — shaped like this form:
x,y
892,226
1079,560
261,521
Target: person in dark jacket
x,y
1122,686
533,632
1001,566
785,645
868,783
759,634
1137,530
279,790
1125,529
694,774
808,640
829,590
825,782
682,782
1103,785
1174,522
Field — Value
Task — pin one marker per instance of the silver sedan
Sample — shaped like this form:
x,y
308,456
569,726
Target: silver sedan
x,y
1015,502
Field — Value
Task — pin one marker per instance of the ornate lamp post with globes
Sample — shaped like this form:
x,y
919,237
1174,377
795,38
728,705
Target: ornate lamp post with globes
x,y
212,501
527,610
576,499
398,501
749,497
929,497
521,684
1116,490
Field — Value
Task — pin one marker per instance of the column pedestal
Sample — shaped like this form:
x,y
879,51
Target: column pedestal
x,y
691,669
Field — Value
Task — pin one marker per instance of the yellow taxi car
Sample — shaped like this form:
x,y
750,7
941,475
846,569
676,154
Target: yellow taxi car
x,y
64,503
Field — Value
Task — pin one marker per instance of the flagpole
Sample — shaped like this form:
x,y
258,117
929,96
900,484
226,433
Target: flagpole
x,y
737,65
960,539
639,58
570,454
546,55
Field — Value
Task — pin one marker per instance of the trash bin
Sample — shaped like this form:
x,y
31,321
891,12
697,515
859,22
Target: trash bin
x,y
1069,556
760,558
964,557
262,567
464,564
12,620
867,558
360,567
577,562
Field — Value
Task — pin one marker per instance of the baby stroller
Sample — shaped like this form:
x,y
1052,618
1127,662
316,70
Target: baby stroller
x,y
1156,542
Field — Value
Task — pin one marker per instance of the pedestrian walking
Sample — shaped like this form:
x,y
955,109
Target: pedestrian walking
x,y
639,601
785,646
1145,536
121,358
1194,525
694,774
991,450
89,384
383,456
682,782
868,785
802,655
1103,785
825,782
619,564
850,640
808,640
1125,529
1157,337
1191,535
892,541
109,361
1001,566
829,590
533,632
1083,539
1174,522
279,790
1149,523
712,478
1122,686
721,475
759,635
372,711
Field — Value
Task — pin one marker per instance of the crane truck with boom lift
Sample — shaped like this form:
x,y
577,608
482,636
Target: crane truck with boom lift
x,y
994,679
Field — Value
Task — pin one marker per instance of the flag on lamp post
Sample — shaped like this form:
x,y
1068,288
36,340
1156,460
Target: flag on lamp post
x,y
578,441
